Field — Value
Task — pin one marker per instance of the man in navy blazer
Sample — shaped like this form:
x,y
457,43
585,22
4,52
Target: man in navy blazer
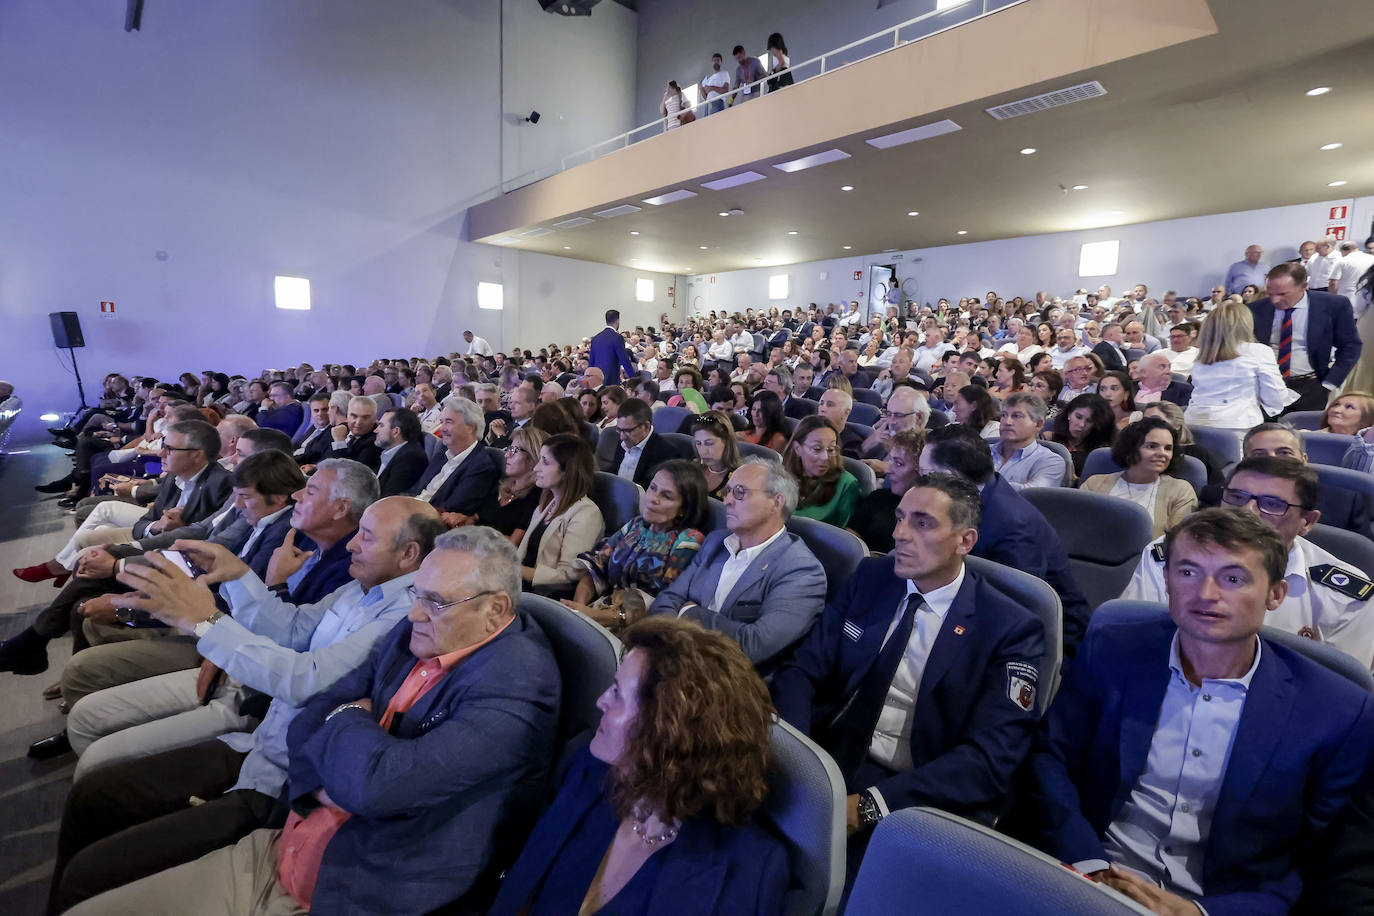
x,y
1332,343
461,476
607,351
920,677
1011,531
1193,751
756,582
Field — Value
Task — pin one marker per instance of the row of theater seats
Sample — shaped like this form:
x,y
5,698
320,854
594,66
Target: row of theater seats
x,y
919,861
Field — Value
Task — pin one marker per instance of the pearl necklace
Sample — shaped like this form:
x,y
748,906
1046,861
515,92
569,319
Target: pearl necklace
x,y
641,818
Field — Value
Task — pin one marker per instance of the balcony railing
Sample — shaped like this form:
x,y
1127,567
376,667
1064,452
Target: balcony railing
x,y
944,17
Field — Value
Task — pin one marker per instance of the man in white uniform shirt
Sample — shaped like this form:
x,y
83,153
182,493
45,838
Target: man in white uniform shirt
x,y
1322,266
1351,268
477,346
926,358
1182,353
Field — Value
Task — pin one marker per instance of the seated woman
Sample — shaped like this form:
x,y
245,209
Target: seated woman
x,y
1172,414
1348,414
713,435
976,409
1010,377
689,356
657,809
612,396
590,402
1046,385
511,505
769,428
627,569
875,515
826,491
1148,450
566,523
1118,389
1083,425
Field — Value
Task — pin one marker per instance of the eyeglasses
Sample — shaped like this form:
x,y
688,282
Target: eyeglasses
x,y
626,430
432,607
176,448
703,422
515,450
819,450
741,492
894,415
1268,505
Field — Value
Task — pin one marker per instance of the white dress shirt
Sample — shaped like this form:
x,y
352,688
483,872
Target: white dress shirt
x,y
723,349
735,566
479,347
1181,363
891,742
1349,271
1231,393
1320,269
430,419
1161,831
743,340
926,359
260,527
314,431
630,463
1059,357
445,473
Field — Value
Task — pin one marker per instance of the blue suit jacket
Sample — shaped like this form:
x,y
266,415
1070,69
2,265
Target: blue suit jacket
x,y
442,799
1331,333
1303,740
1015,534
968,736
771,606
467,486
708,869
330,573
607,353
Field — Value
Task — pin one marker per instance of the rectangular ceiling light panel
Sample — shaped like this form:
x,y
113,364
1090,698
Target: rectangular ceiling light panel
x,y
732,181
810,162
618,211
1047,100
924,132
574,222
670,197
535,233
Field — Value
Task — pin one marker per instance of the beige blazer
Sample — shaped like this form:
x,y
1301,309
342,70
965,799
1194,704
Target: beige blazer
x,y
575,531
1174,500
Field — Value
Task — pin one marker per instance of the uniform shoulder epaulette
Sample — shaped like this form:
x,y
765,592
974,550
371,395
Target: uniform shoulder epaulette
x,y
1157,551
1341,580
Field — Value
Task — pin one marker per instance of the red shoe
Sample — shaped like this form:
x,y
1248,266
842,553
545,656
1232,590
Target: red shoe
x,y
34,573
61,580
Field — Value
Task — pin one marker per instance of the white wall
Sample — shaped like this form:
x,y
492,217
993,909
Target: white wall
x,y
339,140
1187,255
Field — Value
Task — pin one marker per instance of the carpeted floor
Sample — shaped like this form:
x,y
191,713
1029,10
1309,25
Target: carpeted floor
x,y
32,529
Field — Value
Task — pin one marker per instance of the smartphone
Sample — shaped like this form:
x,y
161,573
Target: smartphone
x,y
134,617
183,563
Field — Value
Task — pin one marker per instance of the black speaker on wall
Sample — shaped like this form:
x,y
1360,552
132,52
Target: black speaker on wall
x,y
66,330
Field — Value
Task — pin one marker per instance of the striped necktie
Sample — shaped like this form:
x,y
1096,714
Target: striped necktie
x,y
1286,344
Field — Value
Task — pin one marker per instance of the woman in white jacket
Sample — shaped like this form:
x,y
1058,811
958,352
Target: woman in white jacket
x,y
1236,380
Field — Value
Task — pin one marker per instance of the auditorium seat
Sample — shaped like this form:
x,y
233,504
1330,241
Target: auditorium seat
x,y
668,419
683,446
868,396
1102,566
838,550
1221,441
806,808
617,498
1037,597
496,454
587,657
1062,452
796,408
1304,419
1325,448
1347,479
865,414
868,481
434,445
1325,655
749,449
1347,546
923,861
1099,461
858,429
606,445
716,516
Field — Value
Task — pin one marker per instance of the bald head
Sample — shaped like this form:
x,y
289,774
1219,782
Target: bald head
x,y
394,536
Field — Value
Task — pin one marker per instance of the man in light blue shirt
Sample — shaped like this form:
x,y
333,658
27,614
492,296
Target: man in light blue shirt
x,y
116,827
1017,454
1247,270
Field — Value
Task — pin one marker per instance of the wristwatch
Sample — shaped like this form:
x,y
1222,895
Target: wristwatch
x,y
204,626
869,812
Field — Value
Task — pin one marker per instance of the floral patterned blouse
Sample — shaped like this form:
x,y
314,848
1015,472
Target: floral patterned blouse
x,y
636,556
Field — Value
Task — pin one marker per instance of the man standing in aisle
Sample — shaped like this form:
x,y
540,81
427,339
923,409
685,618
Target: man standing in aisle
x,y
607,351
1312,332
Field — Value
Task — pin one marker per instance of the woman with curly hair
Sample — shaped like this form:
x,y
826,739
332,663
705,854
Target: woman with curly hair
x,y
1085,423
657,808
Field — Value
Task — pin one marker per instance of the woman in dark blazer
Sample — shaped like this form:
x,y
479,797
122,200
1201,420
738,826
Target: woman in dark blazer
x,y
653,817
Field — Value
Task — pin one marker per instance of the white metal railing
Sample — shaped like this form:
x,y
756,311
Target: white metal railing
x,y
940,19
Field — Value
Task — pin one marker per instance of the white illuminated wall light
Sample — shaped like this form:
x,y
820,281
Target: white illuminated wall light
x,y
777,286
293,293
1098,259
644,290
491,296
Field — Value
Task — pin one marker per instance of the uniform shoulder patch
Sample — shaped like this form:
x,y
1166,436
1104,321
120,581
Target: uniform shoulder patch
x,y
1022,680
1157,552
1341,580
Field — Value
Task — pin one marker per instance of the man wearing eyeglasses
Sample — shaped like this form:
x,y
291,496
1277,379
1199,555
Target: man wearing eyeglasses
x,y
1328,599
640,450
129,820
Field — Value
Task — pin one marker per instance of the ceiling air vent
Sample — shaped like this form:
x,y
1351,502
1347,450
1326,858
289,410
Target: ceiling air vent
x,y
574,222
535,233
1080,93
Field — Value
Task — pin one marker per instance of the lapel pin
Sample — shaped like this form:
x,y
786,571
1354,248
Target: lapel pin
x,y
959,631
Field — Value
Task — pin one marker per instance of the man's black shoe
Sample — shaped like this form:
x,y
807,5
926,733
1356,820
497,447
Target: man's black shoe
x,y
50,747
57,486
61,431
67,502
26,653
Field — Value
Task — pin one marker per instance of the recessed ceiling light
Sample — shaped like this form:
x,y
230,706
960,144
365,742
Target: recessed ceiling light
x,y
1331,146
1118,212
632,232
1337,184
725,213
793,232
702,247
847,187
1028,151
808,162
634,260
848,247
1320,90
567,248
963,232
912,213
1080,187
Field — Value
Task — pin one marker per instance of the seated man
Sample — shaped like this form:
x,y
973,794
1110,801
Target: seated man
x,y
920,677
403,451
522,401
319,425
286,413
1011,531
756,582
120,701
427,408
1189,762
356,438
836,406
461,476
1155,375
907,408
131,819
1017,454
640,450
1327,599
1339,507
395,808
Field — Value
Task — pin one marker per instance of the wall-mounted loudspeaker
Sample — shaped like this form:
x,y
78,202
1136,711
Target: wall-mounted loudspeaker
x,y
66,330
